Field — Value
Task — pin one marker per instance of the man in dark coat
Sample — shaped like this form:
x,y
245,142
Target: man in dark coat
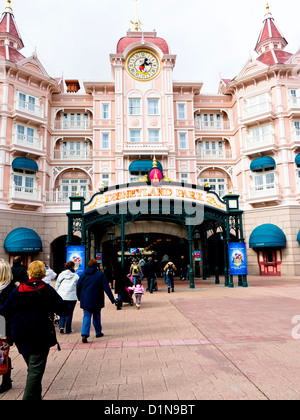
x,y
19,270
150,273
90,292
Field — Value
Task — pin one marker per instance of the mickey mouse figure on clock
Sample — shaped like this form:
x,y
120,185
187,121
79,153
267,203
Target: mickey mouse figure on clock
x,y
143,65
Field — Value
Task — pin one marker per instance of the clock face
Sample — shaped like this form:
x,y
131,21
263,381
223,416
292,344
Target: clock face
x,y
143,65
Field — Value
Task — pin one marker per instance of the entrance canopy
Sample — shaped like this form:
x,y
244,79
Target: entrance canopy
x,y
23,240
267,235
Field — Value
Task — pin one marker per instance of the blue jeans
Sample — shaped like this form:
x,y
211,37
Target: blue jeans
x,y
67,320
150,283
86,322
170,281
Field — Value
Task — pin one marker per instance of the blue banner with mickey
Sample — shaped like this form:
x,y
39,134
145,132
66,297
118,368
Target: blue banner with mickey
x,y
76,253
237,258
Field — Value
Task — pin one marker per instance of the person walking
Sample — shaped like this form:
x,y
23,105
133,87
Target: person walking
x,y
135,271
50,275
170,271
164,261
19,270
7,285
90,292
139,291
66,288
150,273
183,268
28,308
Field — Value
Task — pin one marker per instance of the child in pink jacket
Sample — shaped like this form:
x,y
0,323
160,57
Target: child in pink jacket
x,y
138,290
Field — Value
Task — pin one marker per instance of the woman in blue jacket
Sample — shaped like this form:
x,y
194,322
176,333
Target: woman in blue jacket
x,y
90,292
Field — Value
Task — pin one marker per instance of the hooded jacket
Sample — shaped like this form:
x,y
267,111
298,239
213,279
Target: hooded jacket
x,y
66,285
90,290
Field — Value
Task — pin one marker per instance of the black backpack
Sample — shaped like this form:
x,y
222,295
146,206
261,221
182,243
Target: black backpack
x,y
170,271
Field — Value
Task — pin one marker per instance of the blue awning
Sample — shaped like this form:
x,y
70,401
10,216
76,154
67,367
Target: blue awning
x,y
25,163
298,237
297,160
143,166
267,235
262,162
23,240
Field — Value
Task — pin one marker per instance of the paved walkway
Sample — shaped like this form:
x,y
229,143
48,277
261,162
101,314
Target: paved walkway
x,y
210,343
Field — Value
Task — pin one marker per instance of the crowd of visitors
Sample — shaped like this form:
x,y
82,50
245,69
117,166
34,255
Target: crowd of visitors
x,y
29,302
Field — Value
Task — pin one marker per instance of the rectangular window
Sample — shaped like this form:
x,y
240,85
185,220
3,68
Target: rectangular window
x,y
152,106
105,180
22,100
105,111
135,136
105,141
30,135
153,136
182,141
181,111
31,103
21,132
134,106
184,178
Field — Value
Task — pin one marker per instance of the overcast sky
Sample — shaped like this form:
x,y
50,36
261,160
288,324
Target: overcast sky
x,y
211,39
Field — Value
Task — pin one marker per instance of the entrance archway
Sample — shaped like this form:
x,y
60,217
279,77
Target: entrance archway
x,y
188,208
152,244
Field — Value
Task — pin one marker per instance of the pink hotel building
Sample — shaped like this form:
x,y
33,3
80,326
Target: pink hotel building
x,y
59,139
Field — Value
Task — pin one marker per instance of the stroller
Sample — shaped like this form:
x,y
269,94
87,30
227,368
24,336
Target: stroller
x,y
126,294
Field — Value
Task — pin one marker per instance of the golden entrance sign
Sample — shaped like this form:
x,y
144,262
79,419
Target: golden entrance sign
x,y
135,193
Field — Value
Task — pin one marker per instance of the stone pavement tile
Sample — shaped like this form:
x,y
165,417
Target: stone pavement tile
x,y
208,343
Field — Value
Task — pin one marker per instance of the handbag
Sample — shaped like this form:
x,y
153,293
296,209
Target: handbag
x,y
4,352
51,326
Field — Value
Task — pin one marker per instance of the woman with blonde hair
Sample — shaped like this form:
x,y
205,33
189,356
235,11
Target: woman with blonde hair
x,y
6,287
28,309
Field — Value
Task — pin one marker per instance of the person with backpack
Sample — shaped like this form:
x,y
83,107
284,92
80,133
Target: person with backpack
x,y
135,270
170,271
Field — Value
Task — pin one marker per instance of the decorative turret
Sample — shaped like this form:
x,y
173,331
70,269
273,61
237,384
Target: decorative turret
x,y
271,43
10,38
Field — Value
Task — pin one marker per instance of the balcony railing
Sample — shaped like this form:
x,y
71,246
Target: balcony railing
x,y
212,125
29,108
63,196
25,193
294,102
214,154
264,190
72,125
296,135
256,109
145,147
260,141
72,154
27,141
